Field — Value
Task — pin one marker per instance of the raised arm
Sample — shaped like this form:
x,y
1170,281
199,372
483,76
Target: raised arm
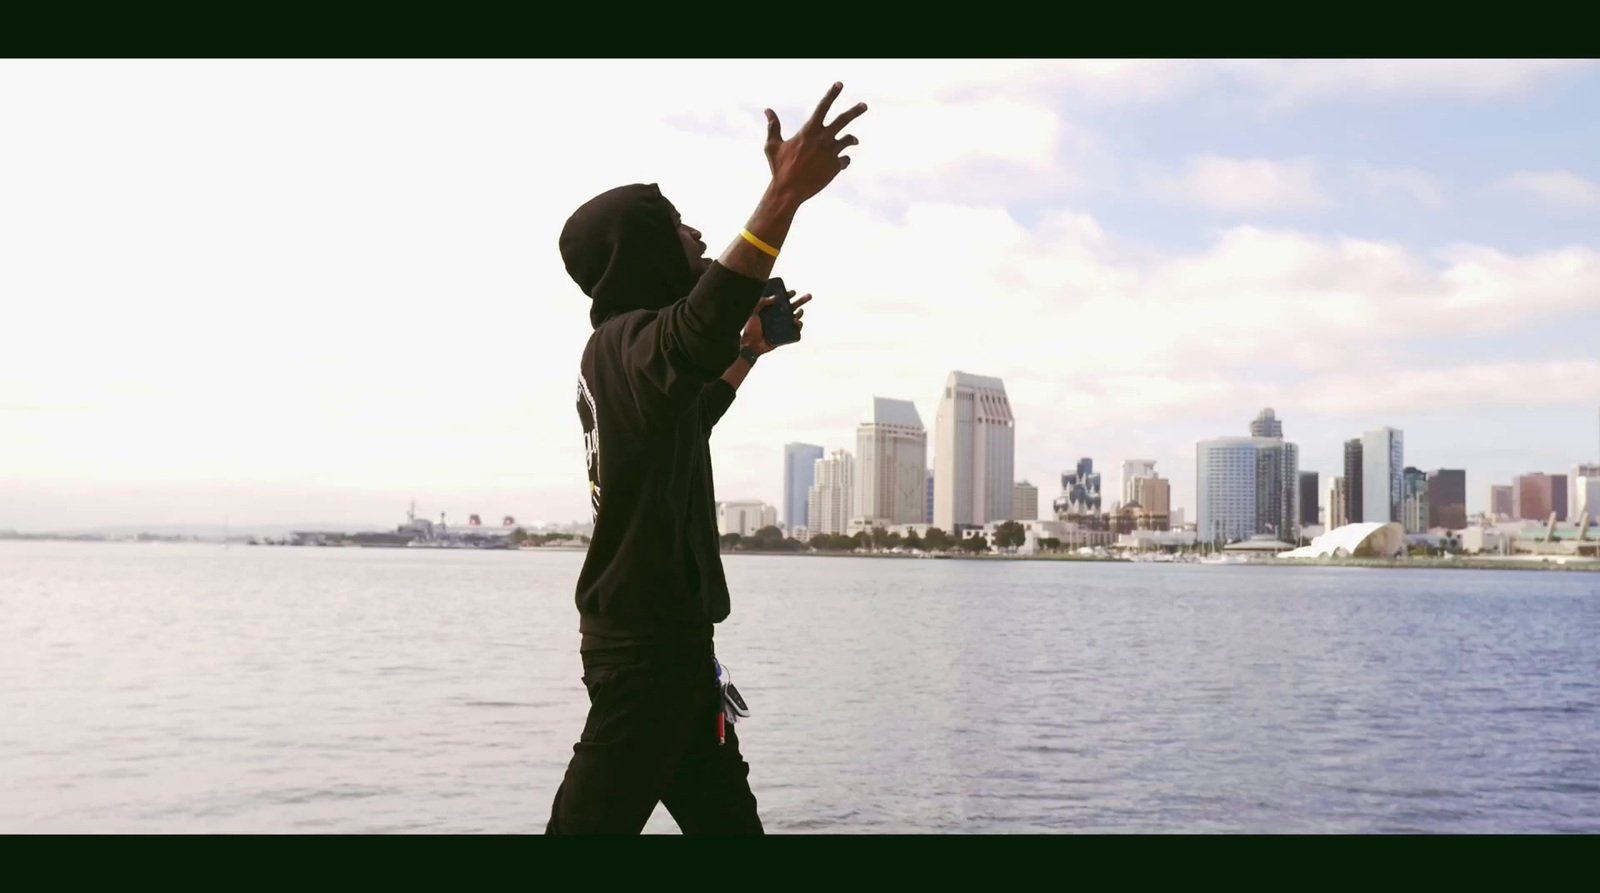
x,y
673,355
801,167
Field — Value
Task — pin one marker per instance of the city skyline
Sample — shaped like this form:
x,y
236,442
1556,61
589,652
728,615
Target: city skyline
x,y
1422,500
314,341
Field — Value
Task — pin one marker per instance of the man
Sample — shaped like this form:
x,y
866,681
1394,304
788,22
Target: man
x,y
675,334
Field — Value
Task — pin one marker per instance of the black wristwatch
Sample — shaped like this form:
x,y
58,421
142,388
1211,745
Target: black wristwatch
x,y
748,354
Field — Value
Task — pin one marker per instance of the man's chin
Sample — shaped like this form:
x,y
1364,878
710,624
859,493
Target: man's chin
x,y
701,266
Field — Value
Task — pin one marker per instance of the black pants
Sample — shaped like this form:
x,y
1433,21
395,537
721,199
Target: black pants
x,y
651,737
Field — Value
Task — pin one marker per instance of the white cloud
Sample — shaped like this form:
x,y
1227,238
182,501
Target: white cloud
x,y
921,137
1242,185
1475,387
1089,344
318,278
1560,188
1286,83
1411,184
1275,84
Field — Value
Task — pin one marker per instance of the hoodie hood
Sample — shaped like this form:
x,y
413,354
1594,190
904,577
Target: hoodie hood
x,y
622,249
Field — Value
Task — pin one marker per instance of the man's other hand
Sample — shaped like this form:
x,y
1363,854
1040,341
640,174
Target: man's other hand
x,y
752,336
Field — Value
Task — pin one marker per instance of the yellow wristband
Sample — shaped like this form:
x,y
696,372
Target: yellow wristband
x,y
750,237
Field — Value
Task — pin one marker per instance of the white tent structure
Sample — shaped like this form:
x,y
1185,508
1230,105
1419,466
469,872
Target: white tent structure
x,y
1368,540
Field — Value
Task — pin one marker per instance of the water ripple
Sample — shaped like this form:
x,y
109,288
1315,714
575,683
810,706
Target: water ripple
x,y
195,689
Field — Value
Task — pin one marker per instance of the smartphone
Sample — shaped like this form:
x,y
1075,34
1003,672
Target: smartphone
x,y
777,321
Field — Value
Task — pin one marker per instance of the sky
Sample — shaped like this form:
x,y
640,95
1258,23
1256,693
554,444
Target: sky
x,y
285,292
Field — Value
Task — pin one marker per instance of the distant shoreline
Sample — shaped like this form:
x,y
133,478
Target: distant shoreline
x,y
1514,564
1531,563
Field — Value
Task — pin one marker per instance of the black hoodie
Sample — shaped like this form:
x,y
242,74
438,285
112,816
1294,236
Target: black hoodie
x,y
649,392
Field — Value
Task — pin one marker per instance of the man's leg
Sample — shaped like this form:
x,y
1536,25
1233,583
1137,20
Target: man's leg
x,y
638,730
710,793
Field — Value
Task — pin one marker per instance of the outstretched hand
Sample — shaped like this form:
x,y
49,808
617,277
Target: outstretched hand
x,y
807,162
754,338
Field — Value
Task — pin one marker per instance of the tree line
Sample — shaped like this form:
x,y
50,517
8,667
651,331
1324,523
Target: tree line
x,y
1009,535
521,537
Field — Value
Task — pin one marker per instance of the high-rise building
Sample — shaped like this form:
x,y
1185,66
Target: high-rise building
x,y
1414,500
1576,501
927,517
830,497
1338,499
745,517
1080,491
1447,498
1587,499
1025,502
1225,476
1352,480
891,464
1534,496
1501,504
799,473
1135,468
1278,488
1266,424
1382,466
1246,486
975,453
1308,499
1153,495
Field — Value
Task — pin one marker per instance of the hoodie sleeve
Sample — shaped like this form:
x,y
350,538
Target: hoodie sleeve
x,y
669,356
715,399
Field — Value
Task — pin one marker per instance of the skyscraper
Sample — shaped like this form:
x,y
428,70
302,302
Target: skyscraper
x,y
1080,491
1266,424
1577,490
1309,516
974,455
927,517
1135,468
1382,465
1277,488
799,473
1352,481
1587,500
1338,508
1153,495
1414,501
1447,498
891,464
1226,489
1246,486
745,517
830,497
1535,496
1501,505
1025,502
